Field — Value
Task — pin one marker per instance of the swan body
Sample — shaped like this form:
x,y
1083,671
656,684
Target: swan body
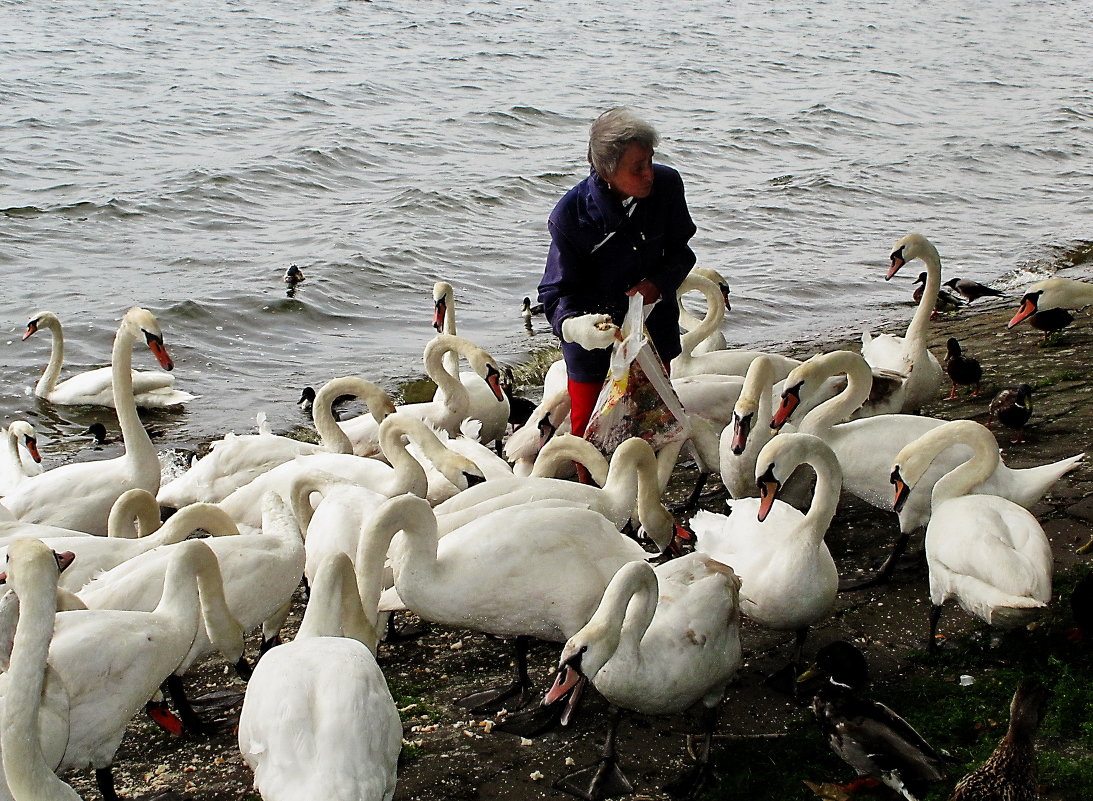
x,y
95,690
788,579
19,438
79,496
1053,293
152,390
550,417
988,553
237,460
908,355
318,720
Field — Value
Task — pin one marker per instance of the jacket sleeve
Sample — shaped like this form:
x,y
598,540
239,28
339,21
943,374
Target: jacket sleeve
x,y
678,256
560,288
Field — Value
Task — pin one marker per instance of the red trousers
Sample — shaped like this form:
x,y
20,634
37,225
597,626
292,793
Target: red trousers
x,y
582,397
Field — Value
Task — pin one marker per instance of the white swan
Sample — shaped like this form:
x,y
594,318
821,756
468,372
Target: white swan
x,y
467,444
484,406
68,698
318,720
988,553
631,481
134,514
1052,293
659,642
725,362
788,578
908,354
550,417
716,339
152,390
80,495
450,405
18,438
237,460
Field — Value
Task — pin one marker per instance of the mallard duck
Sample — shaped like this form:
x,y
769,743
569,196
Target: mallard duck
x,y
961,369
1009,774
972,290
946,301
866,734
1012,408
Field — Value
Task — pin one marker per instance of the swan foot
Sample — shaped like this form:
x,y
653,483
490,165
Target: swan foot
x,y
692,783
601,779
192,723
515,695
693,498
534,722
104,780
405,633
243,669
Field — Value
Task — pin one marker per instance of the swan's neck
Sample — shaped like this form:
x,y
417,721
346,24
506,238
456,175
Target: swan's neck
x,y
52,373
960,480
333,438
633,478
915,338
859,379
449,388
139,449
825,498
417,569
711,321
25,768
624,614
407,475
451,358
334,607
197,516
134,514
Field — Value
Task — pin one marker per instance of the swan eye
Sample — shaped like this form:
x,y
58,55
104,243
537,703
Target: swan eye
x,y
584,649
895,478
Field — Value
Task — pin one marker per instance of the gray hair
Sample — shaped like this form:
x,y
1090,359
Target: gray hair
x,y
611,133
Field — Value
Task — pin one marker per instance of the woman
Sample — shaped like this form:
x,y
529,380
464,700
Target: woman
x,y
622,230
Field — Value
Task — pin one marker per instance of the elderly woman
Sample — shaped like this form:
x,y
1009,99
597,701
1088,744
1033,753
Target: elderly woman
x,y
624,229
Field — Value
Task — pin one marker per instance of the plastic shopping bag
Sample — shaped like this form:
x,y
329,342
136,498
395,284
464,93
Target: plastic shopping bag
x,y
637,399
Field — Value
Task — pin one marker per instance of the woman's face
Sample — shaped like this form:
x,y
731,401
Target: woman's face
x,y
634,176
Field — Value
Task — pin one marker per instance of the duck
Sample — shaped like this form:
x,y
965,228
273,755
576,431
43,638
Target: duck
x,y
237,459
631,480
660,641
529,310
318,720
293,276
1012,407
946,301
987,552
876,742
484,405
152,390
67,699
724,362
961,369
788,579
79,496
1009,774
546,565
908,355
1052,293
972,290
867,446
451,404
19,439
716,339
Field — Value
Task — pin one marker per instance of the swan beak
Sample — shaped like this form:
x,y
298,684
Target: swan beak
x,y
32,448
546,430
32,327
493,378
902,491
725,296
897,262
768,490
740,429
791,399
473,479
64,559
439,313
155,343
1024,311
569,681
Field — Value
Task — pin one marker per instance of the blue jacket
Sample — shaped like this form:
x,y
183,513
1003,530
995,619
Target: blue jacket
x,y
598,251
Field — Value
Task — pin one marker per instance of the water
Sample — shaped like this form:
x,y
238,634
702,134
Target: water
x,y
180,155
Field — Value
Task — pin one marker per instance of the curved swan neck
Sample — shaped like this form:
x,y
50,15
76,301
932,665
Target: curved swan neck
x,y
626,610
444,294
138,445
205,516
334,607
715,310
333,437
829,484
415,519
915,338
407,476
960,480
859,379
52,373
448,385
134,514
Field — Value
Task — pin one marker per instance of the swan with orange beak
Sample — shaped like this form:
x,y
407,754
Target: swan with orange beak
x,y
1053,293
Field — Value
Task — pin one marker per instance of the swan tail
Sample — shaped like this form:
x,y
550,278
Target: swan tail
x,y
1041,479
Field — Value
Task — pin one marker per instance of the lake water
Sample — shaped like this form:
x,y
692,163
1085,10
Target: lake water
x,y
181,155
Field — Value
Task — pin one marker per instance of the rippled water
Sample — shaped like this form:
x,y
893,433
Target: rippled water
x,y
180,155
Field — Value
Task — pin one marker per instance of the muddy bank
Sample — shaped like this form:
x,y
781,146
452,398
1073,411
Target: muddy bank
x,y
764,733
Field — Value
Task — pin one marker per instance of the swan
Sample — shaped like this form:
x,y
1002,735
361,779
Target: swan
x,y
631,480
237,460
908,354
1052,293
788,579
988,553
67,698
14,467
260,573
450,405
80,495
659,642
716,339
550,417
490,466
484,405
318,720
134,514
866,447
403,475
94,555
725,362
152,390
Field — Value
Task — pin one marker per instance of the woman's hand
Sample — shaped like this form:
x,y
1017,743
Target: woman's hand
x,y
590,331
647,289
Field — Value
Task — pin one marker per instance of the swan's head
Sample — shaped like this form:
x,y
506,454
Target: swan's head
x,y
31,562
42,319
911,247
791,399
1030,303
571,678
442,293
741,427
903,489
25,435
768,485
144,321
